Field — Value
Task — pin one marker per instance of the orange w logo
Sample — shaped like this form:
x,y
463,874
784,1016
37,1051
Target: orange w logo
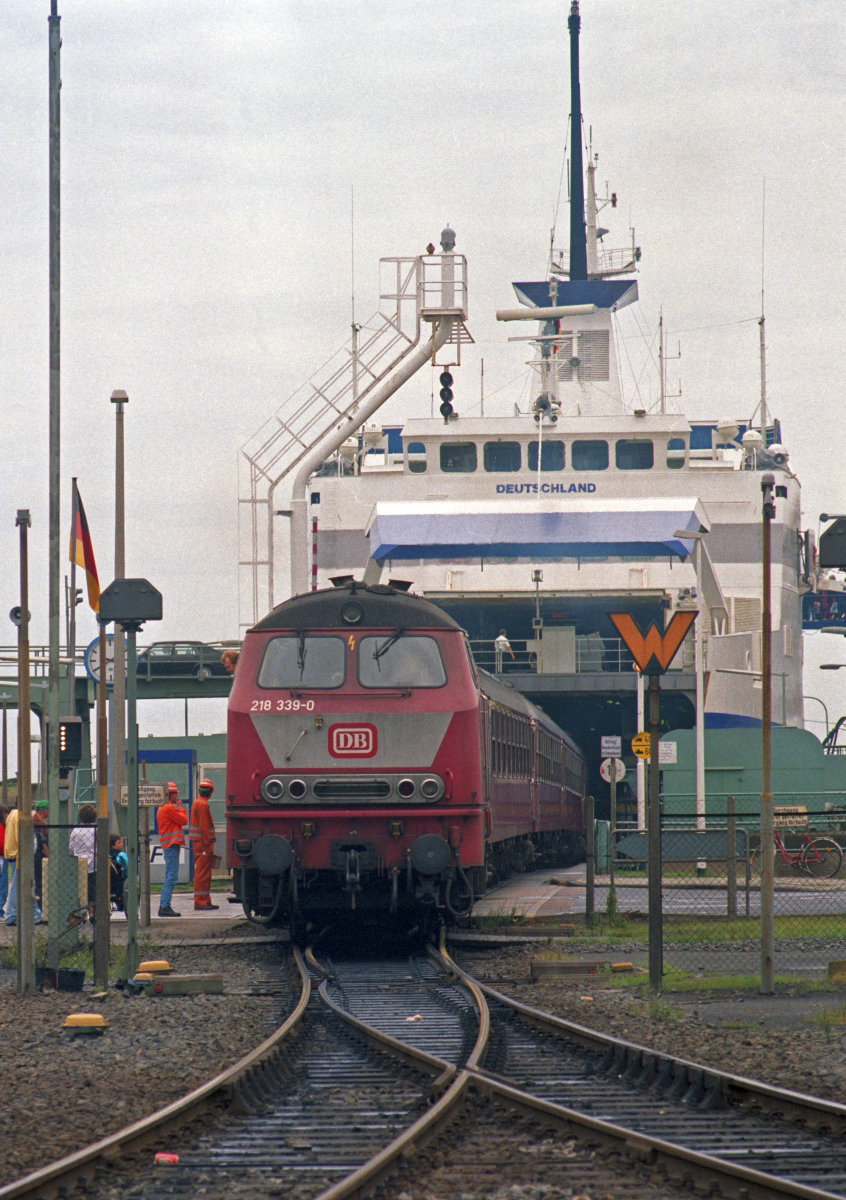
x,y
653,652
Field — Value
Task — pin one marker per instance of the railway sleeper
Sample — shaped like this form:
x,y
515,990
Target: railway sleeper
x,y
648,1073
664,1075
639,1149
634,1069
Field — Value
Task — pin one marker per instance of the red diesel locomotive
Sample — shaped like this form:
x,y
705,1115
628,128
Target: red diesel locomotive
x,y
371,766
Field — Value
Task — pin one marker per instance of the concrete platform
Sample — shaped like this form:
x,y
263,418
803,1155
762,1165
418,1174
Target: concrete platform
x,y
534,894
192,925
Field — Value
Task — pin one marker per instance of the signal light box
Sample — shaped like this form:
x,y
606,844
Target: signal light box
x,y
70,741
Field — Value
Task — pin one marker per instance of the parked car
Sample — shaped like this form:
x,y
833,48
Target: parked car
x,y
198,659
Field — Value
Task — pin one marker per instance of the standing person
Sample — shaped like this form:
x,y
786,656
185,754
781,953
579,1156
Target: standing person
x,y
41,849
171,819
229,658
82,843
4,866
118,871
502,646
201,834
10,853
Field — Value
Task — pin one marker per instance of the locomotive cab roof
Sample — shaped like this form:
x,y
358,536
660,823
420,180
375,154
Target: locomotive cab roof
x,y
357,604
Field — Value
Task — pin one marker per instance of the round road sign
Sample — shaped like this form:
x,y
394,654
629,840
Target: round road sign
x,y
642,745
613,770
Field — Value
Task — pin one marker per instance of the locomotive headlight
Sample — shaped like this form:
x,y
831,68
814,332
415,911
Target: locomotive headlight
x,y
406,788
431,788
273,789
297,789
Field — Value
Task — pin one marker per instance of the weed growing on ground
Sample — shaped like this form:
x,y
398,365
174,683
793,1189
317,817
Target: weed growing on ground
x,y
661,1009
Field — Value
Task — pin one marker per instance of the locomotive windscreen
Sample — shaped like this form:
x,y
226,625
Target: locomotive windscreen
x,y
299,661
400,660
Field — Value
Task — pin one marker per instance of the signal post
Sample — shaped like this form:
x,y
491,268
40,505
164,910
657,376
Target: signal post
x,y
653,652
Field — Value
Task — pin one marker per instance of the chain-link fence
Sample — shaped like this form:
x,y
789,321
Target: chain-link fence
x,y
64,892
711,885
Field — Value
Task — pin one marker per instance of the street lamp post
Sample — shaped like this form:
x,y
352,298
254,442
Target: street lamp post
x,y
699,673
767,823
825,667
119,399
24,872
131,602
4,797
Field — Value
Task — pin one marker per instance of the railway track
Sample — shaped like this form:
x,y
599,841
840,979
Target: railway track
x,y
379,1058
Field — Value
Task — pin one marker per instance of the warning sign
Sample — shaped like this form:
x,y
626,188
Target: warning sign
x,y
653,651
642,745
150,795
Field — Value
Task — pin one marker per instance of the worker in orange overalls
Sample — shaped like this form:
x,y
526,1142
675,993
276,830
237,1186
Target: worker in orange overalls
x,y
171,818
201,834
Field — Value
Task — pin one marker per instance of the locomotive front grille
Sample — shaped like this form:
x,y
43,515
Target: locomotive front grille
x,y
413,788
351,789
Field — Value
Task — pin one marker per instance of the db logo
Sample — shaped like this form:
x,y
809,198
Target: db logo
x,y
352,741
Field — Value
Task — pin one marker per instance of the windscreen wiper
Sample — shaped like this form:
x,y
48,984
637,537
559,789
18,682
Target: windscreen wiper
x,y
386,645
301,652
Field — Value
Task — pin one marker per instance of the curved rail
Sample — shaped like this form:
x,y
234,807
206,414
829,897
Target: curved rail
x,y
632,1057
677,1160
233,1086
456,1082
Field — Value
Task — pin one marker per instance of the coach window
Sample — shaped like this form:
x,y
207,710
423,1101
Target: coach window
x,y
552,455
589,456
416,456
296,661
502,456
400,660
634,456
458,457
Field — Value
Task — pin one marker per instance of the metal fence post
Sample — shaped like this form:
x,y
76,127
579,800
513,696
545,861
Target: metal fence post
x,y
590,860
731,860
656,926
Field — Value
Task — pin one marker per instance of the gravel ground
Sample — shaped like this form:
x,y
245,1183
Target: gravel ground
x,y
60,1093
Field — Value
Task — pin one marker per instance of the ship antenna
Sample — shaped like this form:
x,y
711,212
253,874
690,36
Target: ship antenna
x,y
578,236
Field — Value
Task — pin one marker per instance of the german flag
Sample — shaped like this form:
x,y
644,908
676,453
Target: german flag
x,y
81,550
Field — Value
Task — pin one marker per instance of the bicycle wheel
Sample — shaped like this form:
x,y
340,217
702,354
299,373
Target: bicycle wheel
x,y
822,858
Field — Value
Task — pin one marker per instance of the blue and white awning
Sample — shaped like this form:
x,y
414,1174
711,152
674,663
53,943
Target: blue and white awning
x,y
534,528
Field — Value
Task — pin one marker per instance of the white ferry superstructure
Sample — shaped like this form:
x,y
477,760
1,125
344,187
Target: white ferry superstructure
x,y
544,522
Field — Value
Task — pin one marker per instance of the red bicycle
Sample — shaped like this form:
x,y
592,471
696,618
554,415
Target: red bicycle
x,y
817,856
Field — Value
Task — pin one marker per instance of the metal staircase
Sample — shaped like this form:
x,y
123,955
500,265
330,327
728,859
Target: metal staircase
x,y
411,293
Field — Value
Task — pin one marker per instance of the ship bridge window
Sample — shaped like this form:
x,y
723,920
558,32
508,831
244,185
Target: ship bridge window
x,y
458,457
634,456
397,660
676,450
502,456
589,456
294,661
416,457
552,455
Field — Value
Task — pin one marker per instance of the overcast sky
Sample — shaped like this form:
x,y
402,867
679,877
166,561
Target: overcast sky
x,y
208,154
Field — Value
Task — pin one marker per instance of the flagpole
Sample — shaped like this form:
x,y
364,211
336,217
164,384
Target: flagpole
x,y
72,620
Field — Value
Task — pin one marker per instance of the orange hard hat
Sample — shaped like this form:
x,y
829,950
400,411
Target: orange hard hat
x,y
206,784
172,788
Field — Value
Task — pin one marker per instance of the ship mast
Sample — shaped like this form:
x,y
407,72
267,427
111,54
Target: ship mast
x,y
578,236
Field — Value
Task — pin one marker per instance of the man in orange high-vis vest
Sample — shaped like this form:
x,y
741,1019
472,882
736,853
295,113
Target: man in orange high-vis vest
x,y
171,819
201,834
